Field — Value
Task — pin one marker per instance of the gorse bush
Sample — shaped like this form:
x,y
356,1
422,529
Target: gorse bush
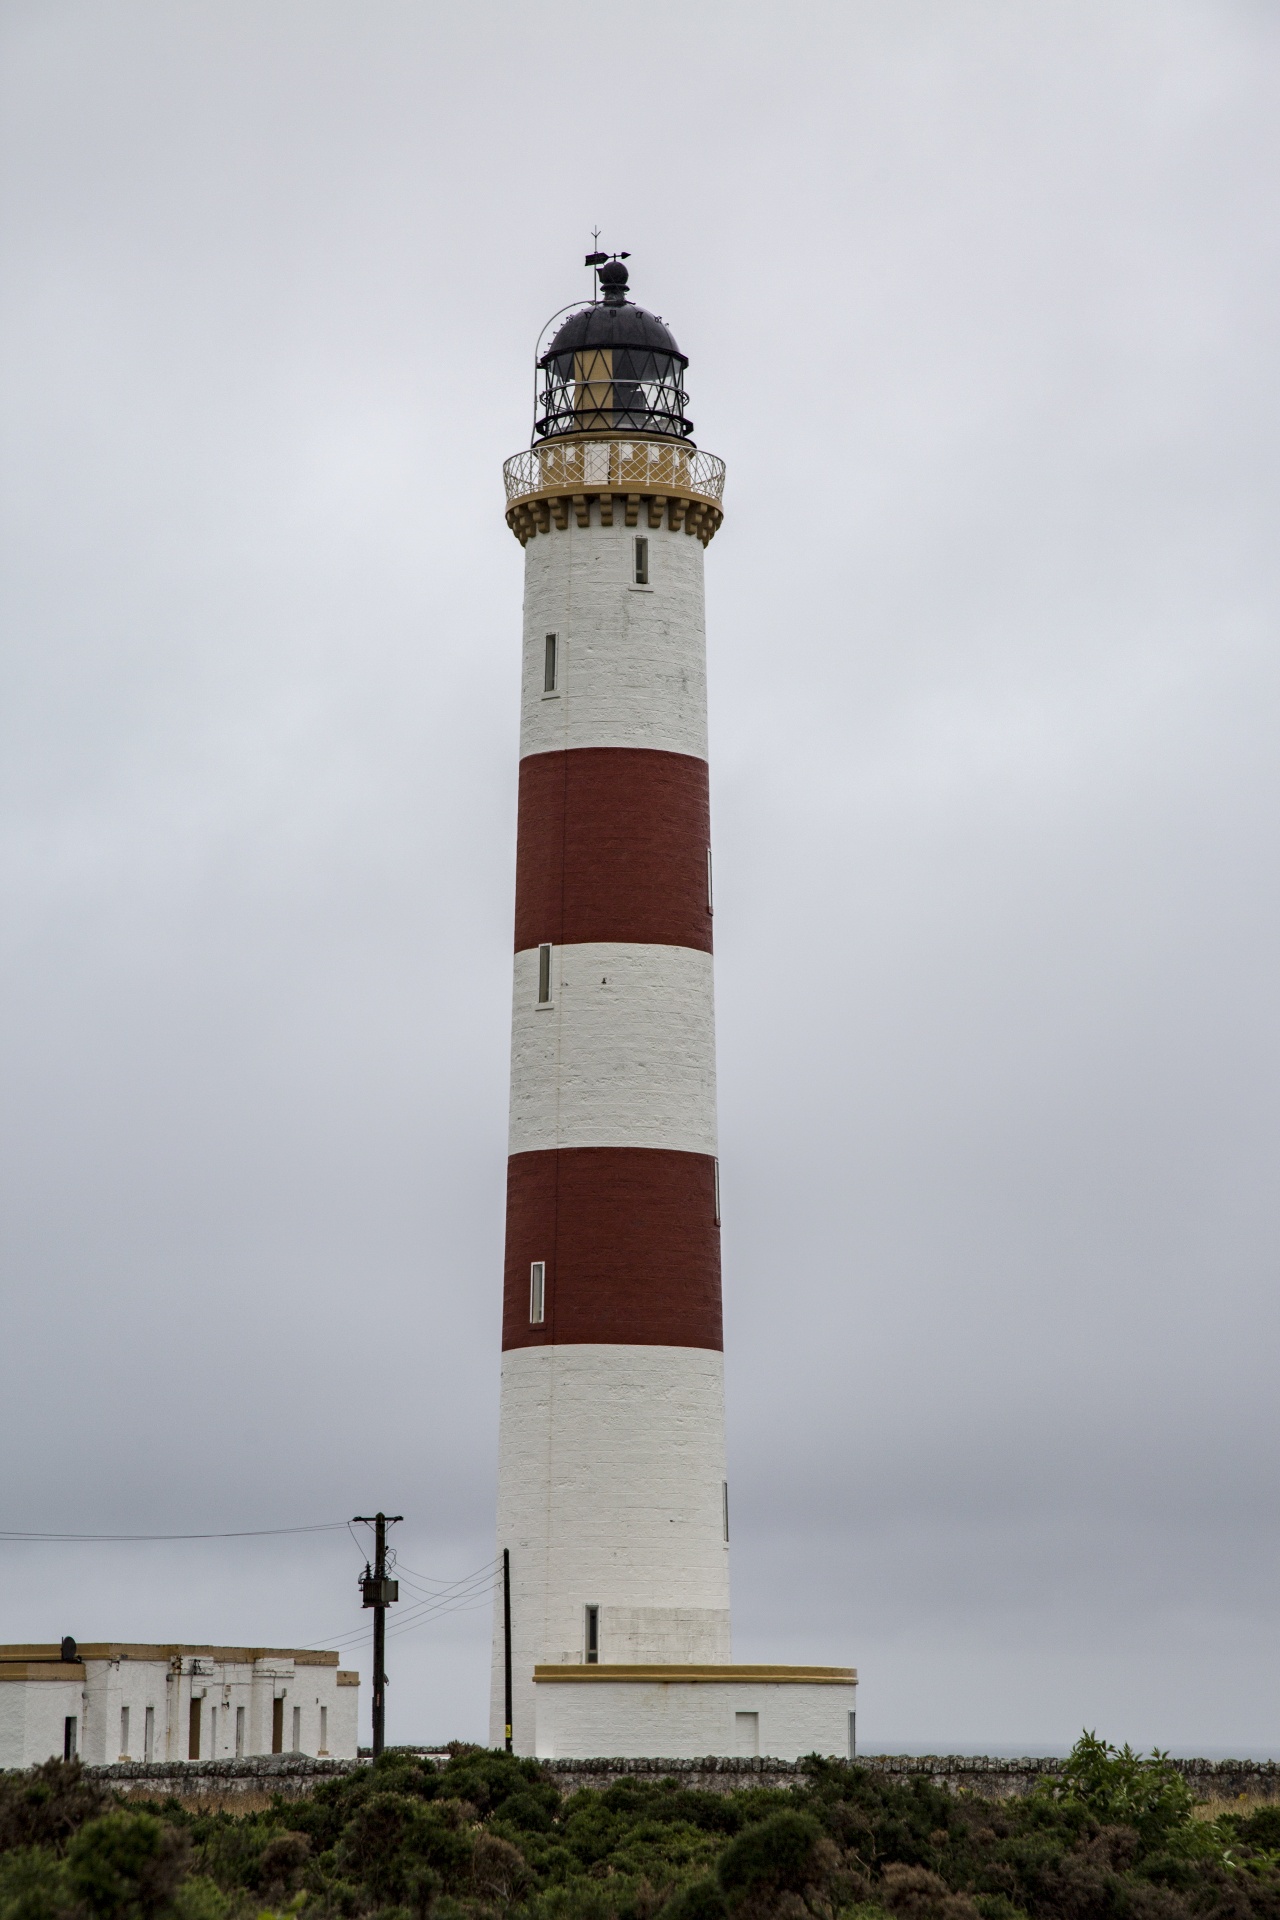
x,y
489,1837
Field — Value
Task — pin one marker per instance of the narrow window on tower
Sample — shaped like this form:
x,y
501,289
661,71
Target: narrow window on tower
x,y
593,1636
544,976
537,1292
550,664
724,1501
716,1167
642,562
711,903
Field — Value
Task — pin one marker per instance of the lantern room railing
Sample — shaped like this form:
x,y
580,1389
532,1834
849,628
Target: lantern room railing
x,y
615,465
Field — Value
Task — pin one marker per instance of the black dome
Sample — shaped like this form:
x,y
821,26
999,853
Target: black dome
x,y
608,325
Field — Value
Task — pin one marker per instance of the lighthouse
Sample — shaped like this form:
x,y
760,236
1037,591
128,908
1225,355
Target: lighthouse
x,y
613,1504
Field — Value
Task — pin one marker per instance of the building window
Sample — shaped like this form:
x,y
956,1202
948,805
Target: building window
x,y
711,904
297,1730
239,1733
642,562
746,1726
324,1729
124,1733
277,1724
593,1636
537,1293
544,976
69,1742
193,1730
716,1172
149,1734
724,1501
549,664
213,1733
853,1736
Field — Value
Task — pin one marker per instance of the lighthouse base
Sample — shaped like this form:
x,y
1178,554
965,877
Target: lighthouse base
x,y
690,1712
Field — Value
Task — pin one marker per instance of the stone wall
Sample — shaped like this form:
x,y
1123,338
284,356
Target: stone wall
x,y
293,1775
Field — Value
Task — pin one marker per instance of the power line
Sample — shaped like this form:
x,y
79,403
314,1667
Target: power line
x,y
242,1533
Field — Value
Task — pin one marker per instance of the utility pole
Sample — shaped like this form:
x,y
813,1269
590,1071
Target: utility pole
x,y
379,1593
506,1633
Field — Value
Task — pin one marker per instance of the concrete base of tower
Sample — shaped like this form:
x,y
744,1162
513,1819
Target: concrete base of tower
x,y
691,1712
612,1505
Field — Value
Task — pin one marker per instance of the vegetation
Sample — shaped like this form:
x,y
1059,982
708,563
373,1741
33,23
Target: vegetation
x,y
1116,1837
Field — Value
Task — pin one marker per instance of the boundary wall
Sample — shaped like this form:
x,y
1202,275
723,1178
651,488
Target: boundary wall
x,y
293,1776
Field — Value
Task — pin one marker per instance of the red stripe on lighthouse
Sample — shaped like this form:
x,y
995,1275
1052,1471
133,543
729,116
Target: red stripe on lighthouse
x,y
613,846
630,1244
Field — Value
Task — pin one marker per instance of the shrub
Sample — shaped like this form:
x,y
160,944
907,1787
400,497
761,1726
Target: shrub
x,y
785,1854
126,1866
46,1805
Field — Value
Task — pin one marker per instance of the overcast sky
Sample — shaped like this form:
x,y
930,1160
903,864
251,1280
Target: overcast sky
x,y
980,300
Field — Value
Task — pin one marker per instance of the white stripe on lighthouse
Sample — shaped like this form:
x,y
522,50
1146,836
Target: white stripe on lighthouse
x,y
630,661
624,1056
635,1434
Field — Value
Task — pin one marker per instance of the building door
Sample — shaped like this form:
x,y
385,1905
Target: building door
x,y
193,1730
277,1725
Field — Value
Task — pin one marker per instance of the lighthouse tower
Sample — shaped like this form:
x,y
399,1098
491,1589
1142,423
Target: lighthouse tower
x,y
613,1503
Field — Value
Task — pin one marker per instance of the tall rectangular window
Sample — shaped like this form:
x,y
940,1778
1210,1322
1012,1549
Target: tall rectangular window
x,y
324,1729
711,902
297,1730
193,1730
544,976
593,1636
124,1733
239,1733
213,1733
724,1492
537,1293
642,562
69,1743
149,1734
853,1736
549,664
277,1724
716,1167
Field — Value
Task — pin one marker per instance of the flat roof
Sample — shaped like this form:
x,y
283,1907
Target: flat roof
x,y
41,1670
726,1675
133,1650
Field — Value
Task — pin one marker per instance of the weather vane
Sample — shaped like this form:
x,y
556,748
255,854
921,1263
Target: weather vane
x,y
597,259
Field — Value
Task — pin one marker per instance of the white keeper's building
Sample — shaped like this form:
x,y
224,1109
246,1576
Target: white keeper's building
x,y
108,1701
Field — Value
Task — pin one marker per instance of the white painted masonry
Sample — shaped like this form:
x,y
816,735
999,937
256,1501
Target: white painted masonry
x,y
623,1057
107,1679
33,1714
611,1494
671,1715
631,660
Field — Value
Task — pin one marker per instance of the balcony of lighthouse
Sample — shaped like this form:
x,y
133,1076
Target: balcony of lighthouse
x,y
614,479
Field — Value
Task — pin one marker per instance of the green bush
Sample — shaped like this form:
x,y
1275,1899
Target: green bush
x,y
126,1866
488,1837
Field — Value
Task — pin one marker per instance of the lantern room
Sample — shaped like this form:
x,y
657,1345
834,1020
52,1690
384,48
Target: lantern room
x,y
613,368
